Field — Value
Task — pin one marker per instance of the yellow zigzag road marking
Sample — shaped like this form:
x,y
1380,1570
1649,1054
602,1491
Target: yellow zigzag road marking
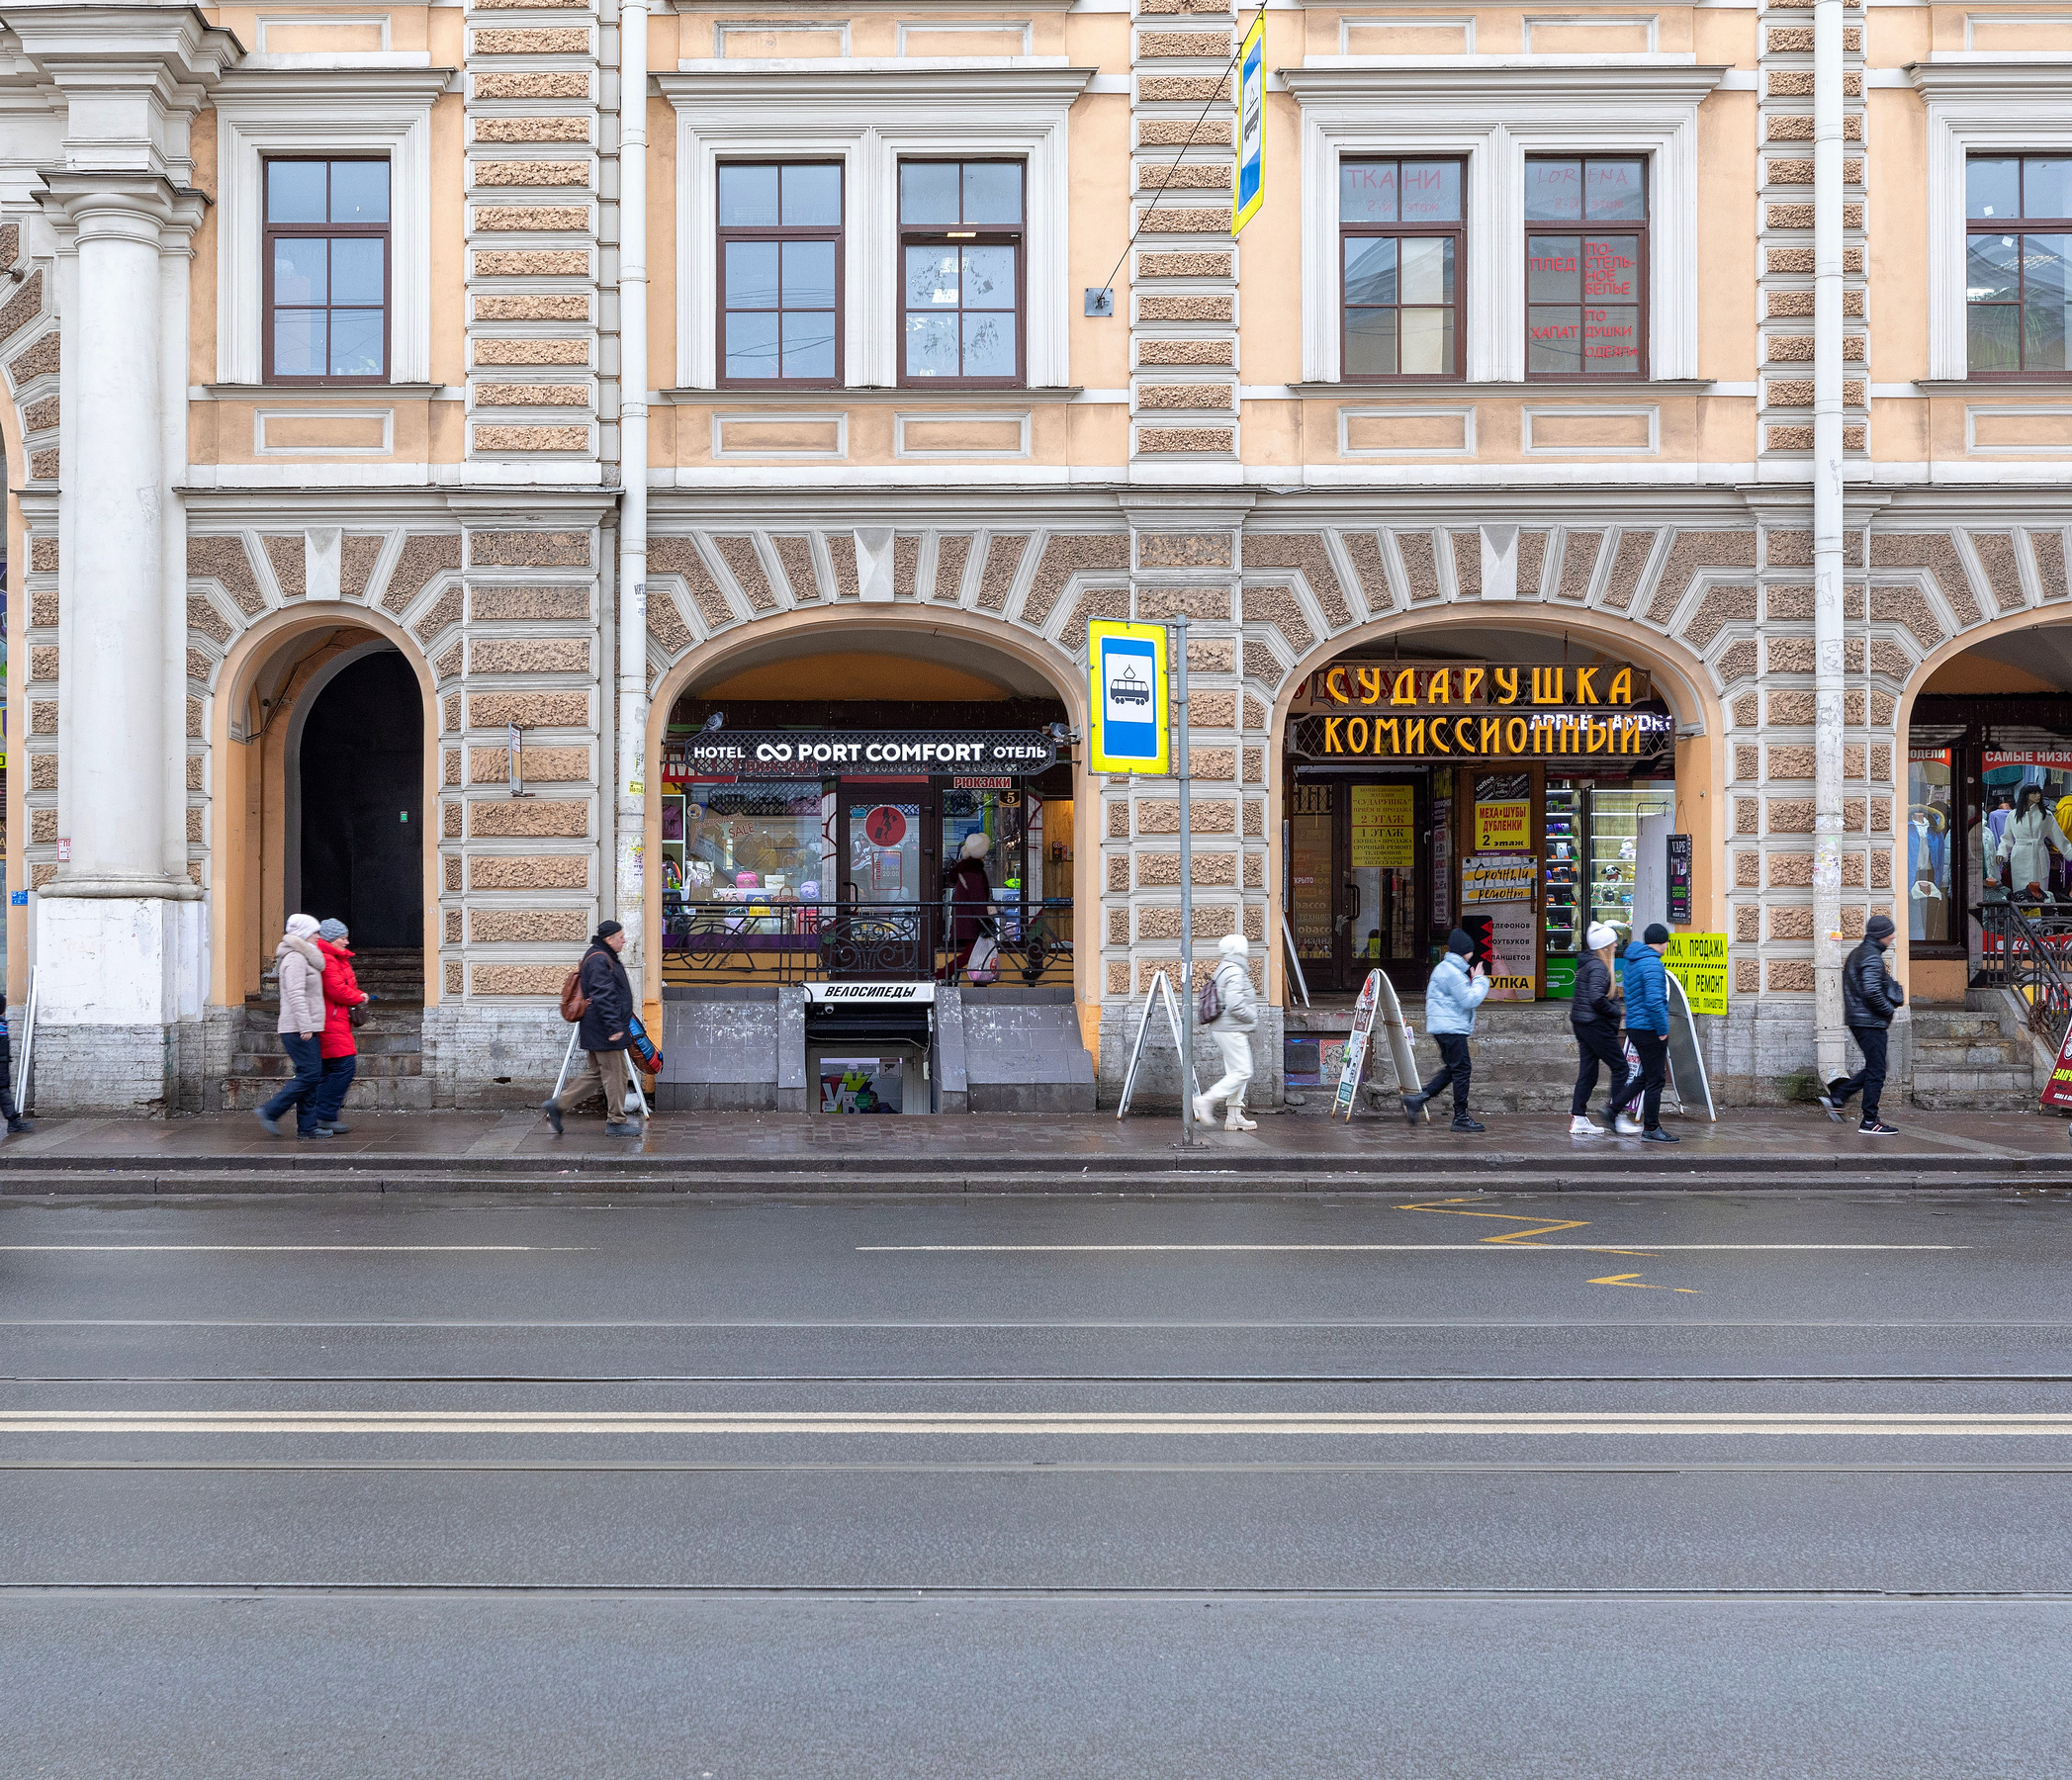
x,y
1522,1238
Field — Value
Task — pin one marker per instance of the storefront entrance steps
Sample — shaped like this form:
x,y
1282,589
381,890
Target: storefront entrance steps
x,y
742,1153
1975,1059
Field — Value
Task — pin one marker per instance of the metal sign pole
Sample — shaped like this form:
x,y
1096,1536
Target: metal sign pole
x,y
1185,767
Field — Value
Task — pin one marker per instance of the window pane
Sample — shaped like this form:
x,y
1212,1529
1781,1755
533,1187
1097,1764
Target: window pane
x,y
295,192
1554,339
1992,269
752,344
812,197
1615,191
1369,269
1553,190
928,192
1431,190
1611,340
931,276
359,190
932,346
297,343
1370,342
989,345
1553,268
989,278
2046,188
299,270
747,196
992,191
1611,268
809,343
1995,336
751,275
356,269
809,274
356,342
1427,271
1992,188
1367,192
1427,343
2044,301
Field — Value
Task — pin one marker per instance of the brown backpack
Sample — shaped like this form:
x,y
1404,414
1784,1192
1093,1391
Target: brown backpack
x,y
574,1002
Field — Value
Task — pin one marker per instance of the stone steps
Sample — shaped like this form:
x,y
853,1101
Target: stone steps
x,y
1970,1060
391,1077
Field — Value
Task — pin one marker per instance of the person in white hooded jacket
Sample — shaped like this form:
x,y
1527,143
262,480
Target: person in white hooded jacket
x,y
300,968
1233,1029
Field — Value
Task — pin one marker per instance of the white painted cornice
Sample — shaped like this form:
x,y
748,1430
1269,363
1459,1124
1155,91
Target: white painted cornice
x,y
275,85
1044,80
2033,80
1483,82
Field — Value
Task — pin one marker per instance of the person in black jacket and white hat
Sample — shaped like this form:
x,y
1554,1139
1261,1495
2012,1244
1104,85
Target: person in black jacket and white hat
x,y
1596,1013
1870,999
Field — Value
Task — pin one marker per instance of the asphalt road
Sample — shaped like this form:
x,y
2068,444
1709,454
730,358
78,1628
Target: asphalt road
x,y
1683,1485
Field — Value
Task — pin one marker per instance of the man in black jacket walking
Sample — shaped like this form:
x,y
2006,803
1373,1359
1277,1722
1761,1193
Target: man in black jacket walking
x,y
1870,999
604,1036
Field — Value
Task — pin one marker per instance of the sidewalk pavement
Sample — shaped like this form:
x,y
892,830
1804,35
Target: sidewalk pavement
x,y
729,1152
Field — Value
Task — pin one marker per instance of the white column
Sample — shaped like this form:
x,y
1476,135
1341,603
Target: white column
x,y
115,684
631,801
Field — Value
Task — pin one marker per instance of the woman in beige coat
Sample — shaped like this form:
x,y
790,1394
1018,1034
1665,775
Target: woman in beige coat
x,y
301,970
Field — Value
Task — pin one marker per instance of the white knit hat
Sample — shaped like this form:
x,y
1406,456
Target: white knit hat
x,y
1600,936
1234,945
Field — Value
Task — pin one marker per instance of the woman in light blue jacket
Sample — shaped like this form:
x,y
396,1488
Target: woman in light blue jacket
x,y
1455,990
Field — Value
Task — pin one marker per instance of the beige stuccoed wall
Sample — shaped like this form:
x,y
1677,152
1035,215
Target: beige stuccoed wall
x,y
1727,129
201,276
1898,245
1099,138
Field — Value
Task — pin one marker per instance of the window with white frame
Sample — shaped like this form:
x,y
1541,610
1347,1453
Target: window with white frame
x,y
1008,282
1403,236
2017,252
1637,120
779,271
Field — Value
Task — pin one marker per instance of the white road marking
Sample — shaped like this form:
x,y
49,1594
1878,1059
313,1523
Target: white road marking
x,y
284,1247
1491,1246
1060,1422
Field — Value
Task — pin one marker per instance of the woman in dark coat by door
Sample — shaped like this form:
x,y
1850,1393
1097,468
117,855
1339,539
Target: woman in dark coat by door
x,y
970,898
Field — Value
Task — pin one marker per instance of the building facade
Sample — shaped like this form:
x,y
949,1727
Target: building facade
x,y
424,422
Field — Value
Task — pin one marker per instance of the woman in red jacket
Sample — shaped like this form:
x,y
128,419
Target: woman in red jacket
x,y
338,1048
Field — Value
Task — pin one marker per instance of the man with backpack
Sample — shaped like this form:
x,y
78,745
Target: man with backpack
x,y
602,1004
1230,1011
1870,999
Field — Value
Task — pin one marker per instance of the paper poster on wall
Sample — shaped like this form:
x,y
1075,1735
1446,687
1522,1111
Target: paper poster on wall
x,y
1490,878
1699,962
1503,946
1502,827
1381,819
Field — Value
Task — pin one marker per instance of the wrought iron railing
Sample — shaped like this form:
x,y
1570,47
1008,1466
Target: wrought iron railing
x,y
2029,949
755,940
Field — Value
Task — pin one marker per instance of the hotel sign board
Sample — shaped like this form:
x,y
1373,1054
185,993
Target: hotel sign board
x,y
729,755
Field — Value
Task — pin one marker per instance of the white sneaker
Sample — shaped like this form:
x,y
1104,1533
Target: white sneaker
x,y
1628,1125
1204,1110
1580,1126
1235,1121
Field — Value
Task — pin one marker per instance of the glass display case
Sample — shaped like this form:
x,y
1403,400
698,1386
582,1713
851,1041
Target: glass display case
x,y
1561,875
1614,841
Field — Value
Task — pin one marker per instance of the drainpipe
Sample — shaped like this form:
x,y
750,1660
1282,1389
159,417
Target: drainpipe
x,y
1830,1043
633,480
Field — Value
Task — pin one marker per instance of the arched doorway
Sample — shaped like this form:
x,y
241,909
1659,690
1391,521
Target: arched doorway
x,y
357,758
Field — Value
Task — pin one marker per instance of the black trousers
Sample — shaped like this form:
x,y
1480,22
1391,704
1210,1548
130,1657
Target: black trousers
x,y
7,1071
1653,1049
1870,1079
1598,1044
1455,1067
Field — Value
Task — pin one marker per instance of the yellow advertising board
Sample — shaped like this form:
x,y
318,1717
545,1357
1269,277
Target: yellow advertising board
x,y
1382,816
1504,827
1699,962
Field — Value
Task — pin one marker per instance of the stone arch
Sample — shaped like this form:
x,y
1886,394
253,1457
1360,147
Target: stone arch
x,y
244,771
1683,682
824,625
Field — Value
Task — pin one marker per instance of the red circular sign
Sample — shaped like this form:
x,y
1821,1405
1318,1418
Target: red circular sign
x,y
886,825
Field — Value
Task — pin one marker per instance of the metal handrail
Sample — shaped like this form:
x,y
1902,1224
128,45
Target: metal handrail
x,y
788,942
2034,957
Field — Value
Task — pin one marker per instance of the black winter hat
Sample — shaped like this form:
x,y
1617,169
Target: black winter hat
x,y
1458,940
1879,926
1656,935
605,930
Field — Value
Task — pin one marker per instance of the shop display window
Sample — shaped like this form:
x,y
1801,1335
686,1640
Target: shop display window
x,y
1930,819
761,843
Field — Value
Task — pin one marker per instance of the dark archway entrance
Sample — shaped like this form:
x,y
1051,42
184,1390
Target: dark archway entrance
x,y
362,787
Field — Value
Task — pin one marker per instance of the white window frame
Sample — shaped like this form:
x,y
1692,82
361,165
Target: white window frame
x,y
1977,108
311,112
1494,117
871,115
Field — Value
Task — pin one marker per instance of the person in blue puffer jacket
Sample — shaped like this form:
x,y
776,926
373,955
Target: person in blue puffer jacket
x,y
1647,1025
1455,991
